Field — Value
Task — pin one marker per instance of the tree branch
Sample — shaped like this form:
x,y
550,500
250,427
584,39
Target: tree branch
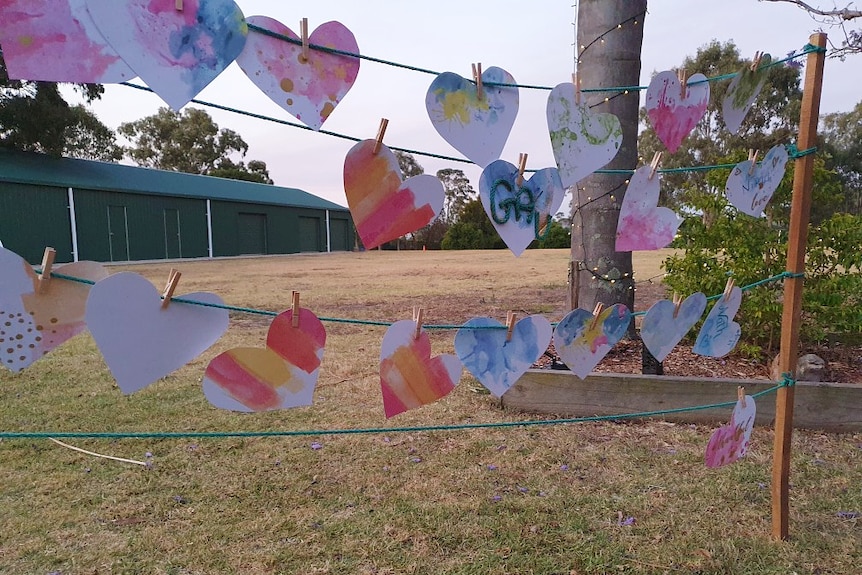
x,y
840,13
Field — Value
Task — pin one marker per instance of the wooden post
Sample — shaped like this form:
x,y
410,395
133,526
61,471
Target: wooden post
x,y
791,318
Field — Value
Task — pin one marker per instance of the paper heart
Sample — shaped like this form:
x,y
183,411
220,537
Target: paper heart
x,y
140,341
176,52
32,323
672,114
719,333
750,188
498,363
281,376
409,376
57,42
582,343
478,128
582,140
661,331
742,92
308,89
519,213
642,225
383,207
730,442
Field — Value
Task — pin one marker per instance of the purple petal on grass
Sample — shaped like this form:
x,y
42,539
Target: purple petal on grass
x,y
501,447
564,467
848,515
542,494
626,522
761,485
148,455
386,439
416,459
523,489
497,498
316,445
492,467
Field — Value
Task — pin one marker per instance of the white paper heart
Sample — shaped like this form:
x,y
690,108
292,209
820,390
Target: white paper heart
x,y
308,89
140,341
57,41
582,340
730,442
749,188
583,141
496,362
719,333
383,207
176,52
519,213
664,327
33,323
674,114
742,92
478,128
642,225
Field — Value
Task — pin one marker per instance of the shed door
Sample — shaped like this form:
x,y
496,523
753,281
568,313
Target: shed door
x,y
309,234
118,233
251,238
173,241
338,235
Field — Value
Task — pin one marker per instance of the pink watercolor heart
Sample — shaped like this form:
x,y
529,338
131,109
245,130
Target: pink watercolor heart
x,y
143,342
383,207
176,52
409,376
729,443
282,375
642,225
34,323
749,188
57,42
308,89
582,340
672,113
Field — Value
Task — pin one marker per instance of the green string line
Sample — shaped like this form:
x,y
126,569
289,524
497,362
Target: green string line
x,y
441,327
792,153
371,430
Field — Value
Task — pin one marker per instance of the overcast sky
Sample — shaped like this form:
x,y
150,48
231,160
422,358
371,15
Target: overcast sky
x,y
533,40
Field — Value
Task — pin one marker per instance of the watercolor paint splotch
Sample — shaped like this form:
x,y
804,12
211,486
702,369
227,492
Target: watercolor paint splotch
x,y
742,92
749,188
642,224
674,111
664,326
730,442
582,339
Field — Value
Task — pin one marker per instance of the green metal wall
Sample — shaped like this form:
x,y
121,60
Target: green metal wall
x,y
33,218
115,226
241,228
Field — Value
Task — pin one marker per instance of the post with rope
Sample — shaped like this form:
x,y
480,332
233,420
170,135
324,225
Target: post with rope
x,y
792,315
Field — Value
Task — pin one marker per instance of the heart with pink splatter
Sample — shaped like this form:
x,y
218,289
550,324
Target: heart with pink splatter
x,y
673,109
309,87
642,225
729,442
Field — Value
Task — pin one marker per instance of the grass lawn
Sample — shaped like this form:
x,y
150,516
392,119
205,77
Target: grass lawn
x,y
568,500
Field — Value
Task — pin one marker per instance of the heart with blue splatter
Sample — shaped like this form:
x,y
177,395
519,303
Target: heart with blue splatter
x,y
582,339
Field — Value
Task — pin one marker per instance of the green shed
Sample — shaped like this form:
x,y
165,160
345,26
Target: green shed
x,y
107,212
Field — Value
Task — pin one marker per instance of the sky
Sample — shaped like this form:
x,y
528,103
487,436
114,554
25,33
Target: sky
x,y
532,40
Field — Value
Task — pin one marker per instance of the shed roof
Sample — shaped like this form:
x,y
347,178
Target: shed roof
x,y
40,169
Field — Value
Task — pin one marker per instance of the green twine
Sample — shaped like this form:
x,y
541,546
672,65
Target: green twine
x,y
522,203
787,382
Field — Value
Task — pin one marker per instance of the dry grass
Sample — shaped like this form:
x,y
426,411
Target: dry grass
x,y
521,500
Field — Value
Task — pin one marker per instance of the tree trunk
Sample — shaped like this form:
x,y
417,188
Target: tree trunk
x,y
600,274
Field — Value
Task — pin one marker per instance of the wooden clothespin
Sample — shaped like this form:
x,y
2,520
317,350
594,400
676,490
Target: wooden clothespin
x,y
294,316
677,303
683,79
522,165
380,133
173,280
510,324
596,311
740,396
752,157
47,264
728,288
303,35
656,160
477,77
755,64
417,317
179,5
576,82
